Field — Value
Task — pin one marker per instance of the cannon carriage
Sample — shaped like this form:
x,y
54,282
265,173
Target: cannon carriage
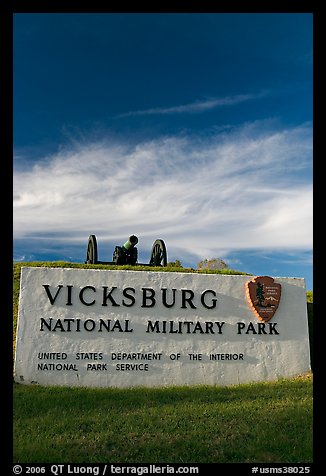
x,y
127,253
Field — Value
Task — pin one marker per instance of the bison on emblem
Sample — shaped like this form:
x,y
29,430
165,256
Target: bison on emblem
x,y
264,297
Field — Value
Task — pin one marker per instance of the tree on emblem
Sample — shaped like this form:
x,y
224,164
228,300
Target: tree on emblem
x,y
263,296
260,294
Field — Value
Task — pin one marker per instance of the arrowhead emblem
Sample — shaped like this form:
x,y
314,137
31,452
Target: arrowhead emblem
x,y
264,296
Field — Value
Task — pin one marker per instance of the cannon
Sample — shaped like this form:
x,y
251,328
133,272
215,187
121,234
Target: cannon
x,y
127,253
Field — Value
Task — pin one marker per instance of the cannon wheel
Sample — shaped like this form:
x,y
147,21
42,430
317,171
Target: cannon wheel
x,y
91,256
158,255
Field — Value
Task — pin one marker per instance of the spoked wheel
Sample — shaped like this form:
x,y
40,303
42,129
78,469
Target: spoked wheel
x,y
91,255
158,255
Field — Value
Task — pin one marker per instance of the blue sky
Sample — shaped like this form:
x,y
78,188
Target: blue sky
x,y
195,128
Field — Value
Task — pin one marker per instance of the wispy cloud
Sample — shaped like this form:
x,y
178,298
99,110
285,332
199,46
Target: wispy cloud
x,y
194,107
247,188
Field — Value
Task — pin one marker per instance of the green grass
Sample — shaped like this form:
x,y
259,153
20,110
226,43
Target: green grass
x,y
265,422
253,423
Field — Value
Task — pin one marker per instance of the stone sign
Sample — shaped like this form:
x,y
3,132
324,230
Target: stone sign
x,y
103,328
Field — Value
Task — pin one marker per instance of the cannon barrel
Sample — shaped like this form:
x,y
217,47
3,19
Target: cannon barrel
x,y
131,242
